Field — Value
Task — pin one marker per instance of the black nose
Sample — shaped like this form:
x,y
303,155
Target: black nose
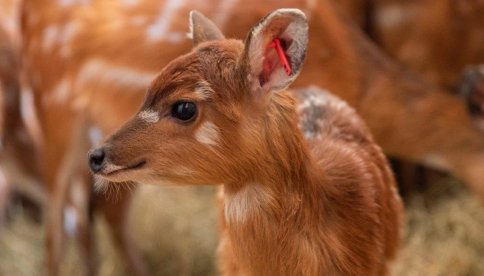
x,y
96,159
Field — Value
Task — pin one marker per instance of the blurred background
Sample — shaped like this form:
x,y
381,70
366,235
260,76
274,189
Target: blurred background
x,y
71,71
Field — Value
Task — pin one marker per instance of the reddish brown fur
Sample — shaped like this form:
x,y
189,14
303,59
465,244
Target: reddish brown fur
x,y
322,205
436,38
410,118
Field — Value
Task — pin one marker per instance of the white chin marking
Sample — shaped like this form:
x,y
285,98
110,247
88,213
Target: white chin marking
x,y
208,133
149,116
100,184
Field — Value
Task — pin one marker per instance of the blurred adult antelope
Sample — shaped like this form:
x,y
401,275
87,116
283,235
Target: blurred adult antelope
x,y
304,195
18,154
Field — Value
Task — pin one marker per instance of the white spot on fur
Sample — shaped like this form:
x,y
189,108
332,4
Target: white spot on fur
x,y
391,16
27,104
95,135
28,114
310,4
60,35
130,3
436,161
223,12
99,71
67,3
149,116
10,18
239,205
159,29
59,95
70,220
49,37
68,33
208,133
174,37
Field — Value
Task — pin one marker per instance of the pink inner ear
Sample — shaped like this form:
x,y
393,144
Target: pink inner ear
x,y
274,56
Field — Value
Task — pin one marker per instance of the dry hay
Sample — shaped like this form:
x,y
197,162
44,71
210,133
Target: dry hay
x,y
177,231
445,233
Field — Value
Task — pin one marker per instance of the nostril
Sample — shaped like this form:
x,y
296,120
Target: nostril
x,y
96,159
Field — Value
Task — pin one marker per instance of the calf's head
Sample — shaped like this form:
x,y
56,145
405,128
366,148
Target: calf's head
x,y
202,116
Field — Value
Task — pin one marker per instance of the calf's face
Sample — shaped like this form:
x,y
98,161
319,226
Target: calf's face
x,y
196,123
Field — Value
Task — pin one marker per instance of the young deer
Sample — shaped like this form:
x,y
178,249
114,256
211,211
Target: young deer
x,y
304,195
81,56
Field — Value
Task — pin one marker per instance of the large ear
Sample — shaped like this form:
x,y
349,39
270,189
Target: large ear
x,y
264,62
203,29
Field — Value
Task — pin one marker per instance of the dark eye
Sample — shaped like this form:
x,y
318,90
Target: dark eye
x,y
184,111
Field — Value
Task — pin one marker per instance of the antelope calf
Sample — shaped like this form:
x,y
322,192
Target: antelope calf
x,y
304,194
80,55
